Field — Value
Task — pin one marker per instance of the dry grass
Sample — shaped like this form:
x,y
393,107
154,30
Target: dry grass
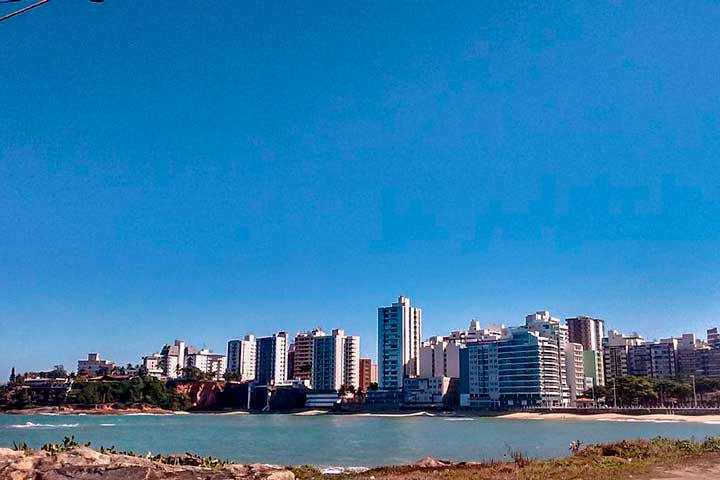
x,y
597,462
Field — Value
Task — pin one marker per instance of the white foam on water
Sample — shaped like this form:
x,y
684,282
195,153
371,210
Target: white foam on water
x,y
145,414
107,424
394,415
635,420
44,425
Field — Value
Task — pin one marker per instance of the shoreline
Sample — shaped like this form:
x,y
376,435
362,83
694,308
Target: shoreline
x,y
98,411
614,417
683,417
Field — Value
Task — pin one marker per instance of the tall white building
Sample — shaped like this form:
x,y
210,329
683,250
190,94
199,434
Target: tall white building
x,y
208,362
174,358
336,361
272,359
551,327
351,367
242,358
399,340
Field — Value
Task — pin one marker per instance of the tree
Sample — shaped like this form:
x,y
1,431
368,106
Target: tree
x,y
673,391
12,375
21,398
347,389
633,391
193,373
705,386
373,386
596,392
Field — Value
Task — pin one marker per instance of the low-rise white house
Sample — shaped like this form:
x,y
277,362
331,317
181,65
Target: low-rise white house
x,y
94,366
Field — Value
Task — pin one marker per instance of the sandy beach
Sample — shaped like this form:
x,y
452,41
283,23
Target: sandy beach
x,y
614,417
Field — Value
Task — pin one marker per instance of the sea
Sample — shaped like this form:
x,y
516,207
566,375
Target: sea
x,y
335,441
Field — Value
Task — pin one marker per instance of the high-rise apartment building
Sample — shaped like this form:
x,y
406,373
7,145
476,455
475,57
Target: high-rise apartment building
x,y
351,367
174,358
713,338
366,374
242,358
550,327
272,359
520,370
594,366
655,360
589,332
615,353
586,331
303,355
687,354
439,358
213,364
575,368
399,340
336,361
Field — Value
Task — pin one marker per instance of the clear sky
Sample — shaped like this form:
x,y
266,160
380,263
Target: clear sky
x,y
203,170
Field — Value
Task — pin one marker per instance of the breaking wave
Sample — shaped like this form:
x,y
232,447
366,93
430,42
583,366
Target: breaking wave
x,y
44,425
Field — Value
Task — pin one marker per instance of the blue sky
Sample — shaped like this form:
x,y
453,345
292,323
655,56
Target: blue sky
x,y
226,168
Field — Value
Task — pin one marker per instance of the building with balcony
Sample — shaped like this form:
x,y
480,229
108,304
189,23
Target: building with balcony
x,y
399,340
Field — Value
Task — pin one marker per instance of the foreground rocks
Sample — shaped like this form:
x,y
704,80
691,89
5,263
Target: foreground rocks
x,y
86,464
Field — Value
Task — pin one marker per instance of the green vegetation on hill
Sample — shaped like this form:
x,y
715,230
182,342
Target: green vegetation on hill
x,y
136,390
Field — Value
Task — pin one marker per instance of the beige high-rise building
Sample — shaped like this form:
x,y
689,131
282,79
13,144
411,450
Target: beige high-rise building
x,y
365,374
439,358
303,355
575,368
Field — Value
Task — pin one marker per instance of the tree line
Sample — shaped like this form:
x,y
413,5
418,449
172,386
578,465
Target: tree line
x,y
631,391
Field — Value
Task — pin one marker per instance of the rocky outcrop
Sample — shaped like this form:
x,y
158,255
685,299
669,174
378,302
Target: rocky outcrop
x,y
204,395
86,464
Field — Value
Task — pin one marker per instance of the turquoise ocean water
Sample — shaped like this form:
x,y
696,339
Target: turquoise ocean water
x,y
333,440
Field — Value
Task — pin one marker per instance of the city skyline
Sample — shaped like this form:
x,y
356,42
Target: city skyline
x,y
251,168
426,338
